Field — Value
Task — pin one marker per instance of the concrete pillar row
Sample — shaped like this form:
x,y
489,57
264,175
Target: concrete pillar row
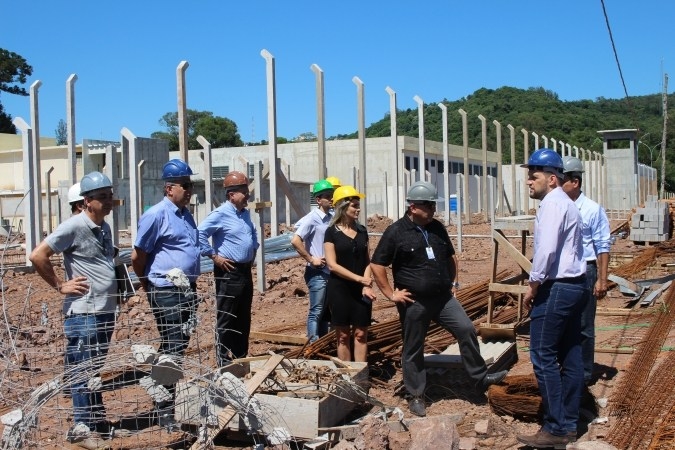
x,y
420,134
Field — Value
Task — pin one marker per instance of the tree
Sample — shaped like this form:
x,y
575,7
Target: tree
x,y
219,131
61,133
13,70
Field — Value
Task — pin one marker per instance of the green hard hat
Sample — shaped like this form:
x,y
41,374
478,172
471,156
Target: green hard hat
x,y
321,186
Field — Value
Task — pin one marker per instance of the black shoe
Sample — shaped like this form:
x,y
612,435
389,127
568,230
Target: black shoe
x,y
494,378
416,406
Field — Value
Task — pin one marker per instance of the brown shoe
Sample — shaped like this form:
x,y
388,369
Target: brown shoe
x,y
544,439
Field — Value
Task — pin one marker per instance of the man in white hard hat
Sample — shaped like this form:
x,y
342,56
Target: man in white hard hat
x,y
75,199
90,297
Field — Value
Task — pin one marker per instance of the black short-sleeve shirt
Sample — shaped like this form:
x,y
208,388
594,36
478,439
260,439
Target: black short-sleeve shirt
x,y
404,246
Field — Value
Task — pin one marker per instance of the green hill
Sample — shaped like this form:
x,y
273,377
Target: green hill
x,y
541,111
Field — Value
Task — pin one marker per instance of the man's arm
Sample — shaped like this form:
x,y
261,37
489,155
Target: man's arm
x,y
138,261
299,245
40,259
600,288
379,273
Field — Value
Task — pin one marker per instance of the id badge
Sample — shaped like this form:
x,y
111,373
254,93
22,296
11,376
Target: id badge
x,y
430,253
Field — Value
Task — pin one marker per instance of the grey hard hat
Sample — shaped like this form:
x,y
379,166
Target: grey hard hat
x,y
93,181
572,164
422,191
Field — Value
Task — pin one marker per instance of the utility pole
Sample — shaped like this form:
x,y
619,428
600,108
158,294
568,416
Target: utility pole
x,y
663,140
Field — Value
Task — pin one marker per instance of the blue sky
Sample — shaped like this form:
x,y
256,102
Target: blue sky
x,y
125,55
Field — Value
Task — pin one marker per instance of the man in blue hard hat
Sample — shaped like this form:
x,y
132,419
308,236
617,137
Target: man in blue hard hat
x,y
166,260
555,298
90,291
308,241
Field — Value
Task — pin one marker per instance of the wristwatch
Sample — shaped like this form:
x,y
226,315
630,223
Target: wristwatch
x,y
455,285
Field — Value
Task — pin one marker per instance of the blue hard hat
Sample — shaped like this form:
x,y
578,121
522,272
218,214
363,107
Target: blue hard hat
x,y
546,160
176,168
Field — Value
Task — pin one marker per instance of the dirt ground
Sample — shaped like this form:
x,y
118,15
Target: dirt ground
x,y
33,350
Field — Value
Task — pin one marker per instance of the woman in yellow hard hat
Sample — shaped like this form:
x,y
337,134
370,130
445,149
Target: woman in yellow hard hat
x,y
349,294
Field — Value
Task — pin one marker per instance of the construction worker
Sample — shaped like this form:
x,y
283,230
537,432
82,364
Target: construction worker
x,y
596,253
75,199
235,243
421,255
166,260
555,296
308,241
90,298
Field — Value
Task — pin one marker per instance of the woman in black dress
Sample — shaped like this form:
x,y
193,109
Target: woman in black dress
x,y
349,294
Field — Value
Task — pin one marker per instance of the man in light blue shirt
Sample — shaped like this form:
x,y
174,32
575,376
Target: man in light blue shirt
x,y
596,253
556,295
235,242
166,260
308,241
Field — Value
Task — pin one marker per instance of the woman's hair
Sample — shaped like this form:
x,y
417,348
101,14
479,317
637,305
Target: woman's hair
x,y
340,210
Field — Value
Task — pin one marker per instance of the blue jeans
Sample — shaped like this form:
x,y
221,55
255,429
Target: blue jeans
x,y
555,351
588,323
316,280
87,343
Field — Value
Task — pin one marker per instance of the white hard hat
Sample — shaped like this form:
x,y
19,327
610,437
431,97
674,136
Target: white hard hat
x,y
74,194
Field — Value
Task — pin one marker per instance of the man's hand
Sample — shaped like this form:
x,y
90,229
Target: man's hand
x,y
317,263
78,285
528,298
600,288
402,296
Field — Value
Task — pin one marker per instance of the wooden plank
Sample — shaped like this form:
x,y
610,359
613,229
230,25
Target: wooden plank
x,y
621,351
510,288
513,252
227,414
279,338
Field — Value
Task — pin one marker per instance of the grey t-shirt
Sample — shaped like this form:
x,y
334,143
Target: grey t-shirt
x,y
87,251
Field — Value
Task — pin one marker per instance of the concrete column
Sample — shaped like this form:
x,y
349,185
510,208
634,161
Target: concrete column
x,y
48,178
536,140
110,171
420,134
526,157
569,150
320,121
36,186
28,180
554,145
395,155
596,173
256,216
483,136
182,110
208,179
70,125
139,175
272,138
500,182
459,183
465,147
361,117
562,148
446,168
545,139
514,195
576,151
129,148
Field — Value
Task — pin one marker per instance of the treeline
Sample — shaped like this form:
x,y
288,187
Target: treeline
x,y
541,111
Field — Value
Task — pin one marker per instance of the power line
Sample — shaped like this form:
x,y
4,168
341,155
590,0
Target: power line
x,y
616,56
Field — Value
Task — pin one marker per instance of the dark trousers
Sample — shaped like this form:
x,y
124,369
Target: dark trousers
x,y
449,314
234,297
588,323
175,315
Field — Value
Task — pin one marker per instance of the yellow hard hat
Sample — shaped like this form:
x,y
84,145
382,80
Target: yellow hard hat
x,y
345,192
335,181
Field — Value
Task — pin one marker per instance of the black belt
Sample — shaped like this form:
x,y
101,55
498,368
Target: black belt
x,y
242,266
591,263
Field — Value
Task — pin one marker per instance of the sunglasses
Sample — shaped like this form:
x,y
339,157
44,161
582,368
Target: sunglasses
x,y
101,197
326,196
187,185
